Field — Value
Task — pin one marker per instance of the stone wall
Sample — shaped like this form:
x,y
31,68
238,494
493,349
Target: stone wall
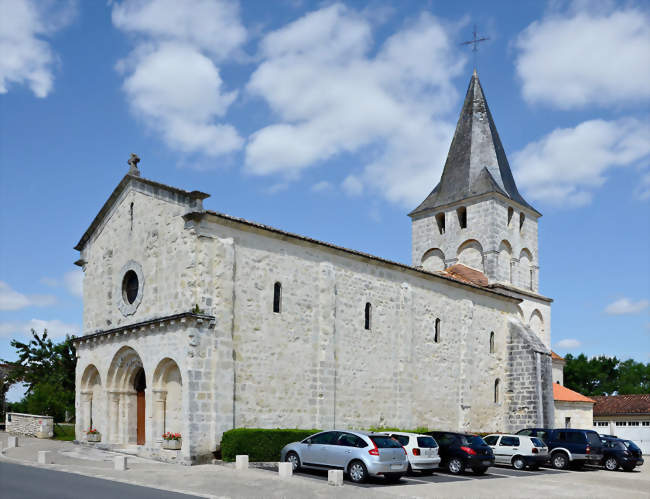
x,y
29,424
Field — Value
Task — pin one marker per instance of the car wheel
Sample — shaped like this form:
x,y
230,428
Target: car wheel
x,y
560,461
393,477
293,458
455,466
479,470
611,463
427,472
518,463
358,472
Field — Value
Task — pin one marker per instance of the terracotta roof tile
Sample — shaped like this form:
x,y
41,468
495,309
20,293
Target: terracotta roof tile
x,y
563,394
463,273
555,356
622,404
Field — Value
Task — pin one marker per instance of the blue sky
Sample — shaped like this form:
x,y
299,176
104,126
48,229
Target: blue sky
x,y
330,120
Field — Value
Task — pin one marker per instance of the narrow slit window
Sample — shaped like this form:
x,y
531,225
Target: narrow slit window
x,y
440,220
436,334
511,213
277,297
491,341
496,391
368,316
522,219
462,217
131,215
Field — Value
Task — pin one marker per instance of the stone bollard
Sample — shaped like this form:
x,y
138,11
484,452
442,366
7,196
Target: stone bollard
x,y
44,457
285,470
12,442
120,463
335,477
241,462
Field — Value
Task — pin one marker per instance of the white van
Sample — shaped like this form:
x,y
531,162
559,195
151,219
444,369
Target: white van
x,y
518,450
421,450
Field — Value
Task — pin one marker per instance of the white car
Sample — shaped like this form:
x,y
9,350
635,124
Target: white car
x,y
421,450
518,450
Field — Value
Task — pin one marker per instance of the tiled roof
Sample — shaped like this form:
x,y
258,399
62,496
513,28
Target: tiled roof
x,y
555,356
563,394
466,274
611,405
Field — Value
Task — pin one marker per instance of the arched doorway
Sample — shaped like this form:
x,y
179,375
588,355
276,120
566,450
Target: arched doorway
x,y
140,385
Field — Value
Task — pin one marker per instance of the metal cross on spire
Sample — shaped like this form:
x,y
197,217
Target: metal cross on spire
x,y
474,42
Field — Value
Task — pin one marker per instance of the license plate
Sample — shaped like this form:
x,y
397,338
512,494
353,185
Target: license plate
x,y
395,467
487,463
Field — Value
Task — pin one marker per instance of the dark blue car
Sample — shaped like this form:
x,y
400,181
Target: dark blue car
x,y
569,446
619,452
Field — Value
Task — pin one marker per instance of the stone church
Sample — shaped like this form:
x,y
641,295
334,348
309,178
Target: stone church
x,y
197,322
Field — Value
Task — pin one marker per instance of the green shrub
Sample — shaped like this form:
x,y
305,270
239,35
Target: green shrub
x,y
64,432
258,443
381,429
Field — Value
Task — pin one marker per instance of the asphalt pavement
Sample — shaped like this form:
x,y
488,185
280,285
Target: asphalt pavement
x,y
27,482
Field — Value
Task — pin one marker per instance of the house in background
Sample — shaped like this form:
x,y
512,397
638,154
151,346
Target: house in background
x,y
626,416
572,409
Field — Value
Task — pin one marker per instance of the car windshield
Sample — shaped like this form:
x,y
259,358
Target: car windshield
x,y
385,442
631,445
537,442
472,440
402,439
524,432
427,442
593,439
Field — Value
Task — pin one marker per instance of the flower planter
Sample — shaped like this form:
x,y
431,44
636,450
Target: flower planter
x,y
172,444
94,437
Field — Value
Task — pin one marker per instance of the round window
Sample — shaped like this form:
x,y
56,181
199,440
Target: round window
x,y
130,286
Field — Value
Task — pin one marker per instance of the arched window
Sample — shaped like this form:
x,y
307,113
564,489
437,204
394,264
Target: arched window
x,y
131,215
368,315
462,217
522,219
511,212
436,336
491,341
277,297
496,390
440,220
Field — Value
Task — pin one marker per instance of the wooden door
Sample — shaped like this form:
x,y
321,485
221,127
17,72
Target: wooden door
x,y
141,411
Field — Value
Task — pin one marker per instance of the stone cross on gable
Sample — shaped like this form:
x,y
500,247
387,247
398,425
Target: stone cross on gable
x,y
133,163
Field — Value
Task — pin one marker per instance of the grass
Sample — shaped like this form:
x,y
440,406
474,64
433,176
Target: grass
x,y
64,432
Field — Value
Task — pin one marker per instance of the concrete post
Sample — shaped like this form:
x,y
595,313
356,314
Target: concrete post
x,y
285,470
12,442
335,477
241,462
44,457
120,463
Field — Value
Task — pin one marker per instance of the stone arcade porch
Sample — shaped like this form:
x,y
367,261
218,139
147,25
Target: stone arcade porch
x,y
135,383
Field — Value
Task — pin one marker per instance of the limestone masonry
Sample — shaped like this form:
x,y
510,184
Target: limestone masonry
x,y
196,322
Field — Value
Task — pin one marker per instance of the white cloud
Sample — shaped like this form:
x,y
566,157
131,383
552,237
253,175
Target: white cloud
x,y
625,306
49,281
172,81
565,166
55,328
335,92
586,56
10,299
321,186
643,189
27,59
74,282
352,186
568,343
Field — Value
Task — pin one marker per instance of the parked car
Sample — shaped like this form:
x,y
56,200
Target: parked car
x,y
459,451
569,446
518,450
421,451
618,452
359,454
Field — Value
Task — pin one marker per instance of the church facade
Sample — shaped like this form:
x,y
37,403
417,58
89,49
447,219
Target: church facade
x,y
196,322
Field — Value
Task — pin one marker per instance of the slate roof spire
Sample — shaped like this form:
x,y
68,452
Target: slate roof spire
x,y
476,163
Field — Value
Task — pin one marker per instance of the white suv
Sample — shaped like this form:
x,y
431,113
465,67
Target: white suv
x,y
421,450
518,450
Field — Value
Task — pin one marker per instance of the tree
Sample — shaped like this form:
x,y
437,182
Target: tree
x,y
48,370
605,375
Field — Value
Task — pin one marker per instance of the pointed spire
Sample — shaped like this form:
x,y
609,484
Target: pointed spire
x,y
476,163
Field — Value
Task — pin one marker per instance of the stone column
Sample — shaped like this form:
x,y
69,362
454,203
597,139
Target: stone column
x,y
114,417
159,425
86,410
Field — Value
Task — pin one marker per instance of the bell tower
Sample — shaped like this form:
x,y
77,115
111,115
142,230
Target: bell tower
x,y
476,216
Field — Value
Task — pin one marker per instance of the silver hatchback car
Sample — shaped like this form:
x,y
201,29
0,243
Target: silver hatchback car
x,y
360,454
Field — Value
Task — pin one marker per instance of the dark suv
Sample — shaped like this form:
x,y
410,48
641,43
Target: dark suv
x,y
462,450
618,452
569,446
